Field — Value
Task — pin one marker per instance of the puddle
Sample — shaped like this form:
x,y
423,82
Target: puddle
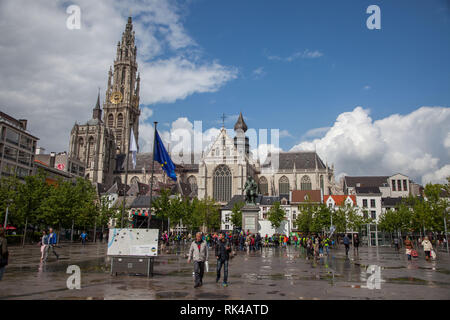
x,y
211,296
171,295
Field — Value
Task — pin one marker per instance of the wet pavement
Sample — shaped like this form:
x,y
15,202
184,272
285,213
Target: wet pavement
x,y
273,273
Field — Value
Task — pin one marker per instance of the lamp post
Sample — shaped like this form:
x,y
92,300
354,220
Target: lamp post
x,y
445,225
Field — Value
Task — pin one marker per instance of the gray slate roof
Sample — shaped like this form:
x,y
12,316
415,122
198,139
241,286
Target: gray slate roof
x,y
373,181
302,160
367,190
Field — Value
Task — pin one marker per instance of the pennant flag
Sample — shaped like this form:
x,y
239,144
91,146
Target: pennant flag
x,y
163,157
133,148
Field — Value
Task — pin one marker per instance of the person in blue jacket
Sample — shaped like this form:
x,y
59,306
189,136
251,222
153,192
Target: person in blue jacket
x,y
52,241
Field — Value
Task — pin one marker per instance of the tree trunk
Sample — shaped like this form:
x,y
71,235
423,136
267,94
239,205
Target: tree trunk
x,y
25,232
95,231
71,233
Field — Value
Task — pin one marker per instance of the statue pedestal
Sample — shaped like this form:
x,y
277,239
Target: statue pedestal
x,y
250,218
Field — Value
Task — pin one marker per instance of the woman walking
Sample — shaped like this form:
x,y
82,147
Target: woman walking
x,y
44,246
427,247
409,247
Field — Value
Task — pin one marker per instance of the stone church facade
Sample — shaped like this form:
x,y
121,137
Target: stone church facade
x,y
223,169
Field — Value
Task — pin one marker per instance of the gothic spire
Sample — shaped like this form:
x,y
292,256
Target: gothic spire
x,y
97,112
240,124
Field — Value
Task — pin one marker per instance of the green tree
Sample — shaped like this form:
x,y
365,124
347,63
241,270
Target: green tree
x,y
208,213
161,206
321,218
236,215
354,220
305,218
276,215
8,198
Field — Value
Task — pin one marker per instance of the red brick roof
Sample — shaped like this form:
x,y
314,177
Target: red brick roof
x,y
340,199
298,196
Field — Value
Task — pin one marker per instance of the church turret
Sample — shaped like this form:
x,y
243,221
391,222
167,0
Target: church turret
x,y
240,140
97,112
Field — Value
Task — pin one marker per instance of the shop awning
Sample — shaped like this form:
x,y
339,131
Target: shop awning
x,y
139,213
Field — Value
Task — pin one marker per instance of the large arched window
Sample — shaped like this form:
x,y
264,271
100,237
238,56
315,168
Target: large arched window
x,y
283,185
135,180
222,183
110,121
90,152
193,183
263,186
80,151
120,121
305,183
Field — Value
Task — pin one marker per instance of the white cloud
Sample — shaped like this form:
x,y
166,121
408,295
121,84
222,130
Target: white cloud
x,y
285,134
367,88
258,73
415,144
306,54
316,133
50,74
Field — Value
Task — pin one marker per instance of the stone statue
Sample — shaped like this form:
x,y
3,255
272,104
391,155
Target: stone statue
x,y
250,191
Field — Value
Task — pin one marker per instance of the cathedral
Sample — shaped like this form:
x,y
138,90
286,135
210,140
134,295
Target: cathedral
x,y
102,143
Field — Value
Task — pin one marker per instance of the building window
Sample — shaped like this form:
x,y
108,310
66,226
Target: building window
x,y
364,203
227,227
405,185
372,203
294,216
399,185
10,153
135,180
283,185
110,121
305,183
393,186
263,186
373,215
227,219
12,137
24,158
26,143
80,152
193,183
120,121
222,186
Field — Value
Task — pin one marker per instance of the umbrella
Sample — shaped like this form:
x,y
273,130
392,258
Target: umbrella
x,y
10,228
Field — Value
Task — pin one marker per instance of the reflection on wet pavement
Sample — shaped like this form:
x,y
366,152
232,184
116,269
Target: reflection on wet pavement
x,y
272,273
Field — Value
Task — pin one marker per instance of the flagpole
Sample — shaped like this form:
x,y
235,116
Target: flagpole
x,y
126,176
151,179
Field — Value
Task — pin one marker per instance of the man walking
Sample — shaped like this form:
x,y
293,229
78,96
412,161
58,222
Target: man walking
x,y
52,240
346,244
198,252
83,237
223,250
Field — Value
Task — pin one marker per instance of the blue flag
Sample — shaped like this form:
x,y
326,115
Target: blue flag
x,y
163,158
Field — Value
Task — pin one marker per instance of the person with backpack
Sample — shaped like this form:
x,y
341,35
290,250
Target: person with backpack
x,y
3,253
346,244
396,244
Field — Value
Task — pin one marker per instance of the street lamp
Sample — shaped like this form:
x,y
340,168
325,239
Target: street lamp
x,y
8,203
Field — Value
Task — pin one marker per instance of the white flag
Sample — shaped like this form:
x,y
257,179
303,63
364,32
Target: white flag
x,y
133,148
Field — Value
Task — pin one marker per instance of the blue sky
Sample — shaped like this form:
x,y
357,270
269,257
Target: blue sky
x,y
372,102
397,69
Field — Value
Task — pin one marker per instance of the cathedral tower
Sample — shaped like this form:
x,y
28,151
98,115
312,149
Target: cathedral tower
x,y
121,107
